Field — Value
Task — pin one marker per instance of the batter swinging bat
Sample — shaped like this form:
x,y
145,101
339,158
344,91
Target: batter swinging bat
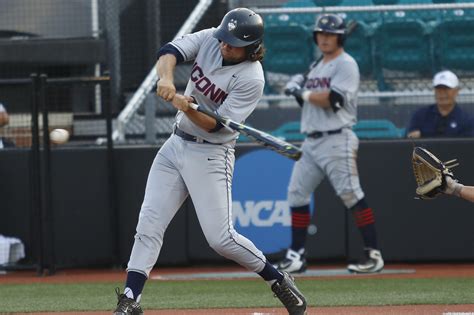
x,y
267,140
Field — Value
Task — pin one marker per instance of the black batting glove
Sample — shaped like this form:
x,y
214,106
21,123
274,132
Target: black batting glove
x,y
297,93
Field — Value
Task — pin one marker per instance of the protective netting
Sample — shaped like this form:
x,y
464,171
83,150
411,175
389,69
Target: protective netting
x,y
398,47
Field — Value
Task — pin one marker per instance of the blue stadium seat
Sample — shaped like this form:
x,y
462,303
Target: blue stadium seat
x,y
307,19
366,17
426,16
327,3
404,46
290,48
454,44
351,3
377,129
289,131
385,2
359,45
299,4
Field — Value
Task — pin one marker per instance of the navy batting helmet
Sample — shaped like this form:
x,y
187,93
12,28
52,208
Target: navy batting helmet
x,y
241,27
330,23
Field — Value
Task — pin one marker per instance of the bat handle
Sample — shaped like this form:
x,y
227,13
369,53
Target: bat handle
x,y
194,106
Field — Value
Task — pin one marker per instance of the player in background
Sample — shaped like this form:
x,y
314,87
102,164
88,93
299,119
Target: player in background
x,y
198,158
328,96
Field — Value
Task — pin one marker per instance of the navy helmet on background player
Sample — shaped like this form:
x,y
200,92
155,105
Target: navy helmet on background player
x,y
330,23
242,27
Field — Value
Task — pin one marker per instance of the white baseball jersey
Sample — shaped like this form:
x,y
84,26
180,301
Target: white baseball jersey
x,y
333,156
342,75
232,91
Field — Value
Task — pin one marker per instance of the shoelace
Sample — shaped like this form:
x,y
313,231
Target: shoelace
x,y
124,302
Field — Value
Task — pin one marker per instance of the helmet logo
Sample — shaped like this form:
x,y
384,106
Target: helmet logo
x,y
232,25
324,21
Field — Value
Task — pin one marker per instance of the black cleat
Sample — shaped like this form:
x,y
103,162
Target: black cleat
x,y
126,306
289,295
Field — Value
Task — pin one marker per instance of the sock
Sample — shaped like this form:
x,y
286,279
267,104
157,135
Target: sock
x,y
134,285
365,221
270,274
300,217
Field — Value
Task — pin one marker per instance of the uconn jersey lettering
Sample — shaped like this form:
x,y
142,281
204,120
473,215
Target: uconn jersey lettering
x,y
318,83
205,86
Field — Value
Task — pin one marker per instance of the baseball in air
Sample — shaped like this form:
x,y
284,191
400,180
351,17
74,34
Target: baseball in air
x,y
59,136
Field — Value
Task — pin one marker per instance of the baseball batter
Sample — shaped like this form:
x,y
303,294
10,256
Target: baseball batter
x,y
328,96
198,159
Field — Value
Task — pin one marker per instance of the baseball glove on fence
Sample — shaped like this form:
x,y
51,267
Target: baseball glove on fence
x,y
431,174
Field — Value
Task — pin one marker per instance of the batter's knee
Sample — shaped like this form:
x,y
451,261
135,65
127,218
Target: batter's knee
x,y
297,198
149,226
220,245
350,198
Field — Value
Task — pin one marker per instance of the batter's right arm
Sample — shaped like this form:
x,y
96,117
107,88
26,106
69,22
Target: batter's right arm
x,y
165,68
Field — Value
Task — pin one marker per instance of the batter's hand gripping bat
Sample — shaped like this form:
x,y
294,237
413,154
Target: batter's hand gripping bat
x,y
278,145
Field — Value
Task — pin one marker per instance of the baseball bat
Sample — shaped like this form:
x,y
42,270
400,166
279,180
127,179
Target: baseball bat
x,y
278,145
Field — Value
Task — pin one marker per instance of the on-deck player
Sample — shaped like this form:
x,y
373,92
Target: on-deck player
x,y
198,158
328,96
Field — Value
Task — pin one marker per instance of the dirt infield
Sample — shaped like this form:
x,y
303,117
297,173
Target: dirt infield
x,y
95,275
421,271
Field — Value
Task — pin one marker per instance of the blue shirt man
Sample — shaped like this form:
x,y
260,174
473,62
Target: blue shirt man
x,y
443,119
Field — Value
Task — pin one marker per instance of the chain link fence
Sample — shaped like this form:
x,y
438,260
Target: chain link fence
x,y
398,47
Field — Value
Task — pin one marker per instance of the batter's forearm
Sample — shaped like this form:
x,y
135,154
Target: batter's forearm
x,y
205,122
165,67
320,99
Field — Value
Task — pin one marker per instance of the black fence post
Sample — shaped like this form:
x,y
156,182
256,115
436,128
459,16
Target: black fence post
x,y
112,183
48,213
35,176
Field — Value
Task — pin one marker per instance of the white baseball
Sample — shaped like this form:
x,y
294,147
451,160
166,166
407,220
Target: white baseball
x,y
59,136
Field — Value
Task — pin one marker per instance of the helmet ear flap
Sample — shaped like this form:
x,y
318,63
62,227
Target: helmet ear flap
x,y
341,39
253,49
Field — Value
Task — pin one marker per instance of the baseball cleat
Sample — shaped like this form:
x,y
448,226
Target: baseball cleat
x,y
126,306
373,264
294,262
289,295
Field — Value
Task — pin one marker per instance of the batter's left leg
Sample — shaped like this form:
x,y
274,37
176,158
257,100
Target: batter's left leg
x,y
208,176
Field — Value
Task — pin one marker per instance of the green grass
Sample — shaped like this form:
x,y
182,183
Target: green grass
x,y
237,293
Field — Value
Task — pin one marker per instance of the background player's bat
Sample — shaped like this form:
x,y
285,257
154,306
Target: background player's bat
x,y
273,143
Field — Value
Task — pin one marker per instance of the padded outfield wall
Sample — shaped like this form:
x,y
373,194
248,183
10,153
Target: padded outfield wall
x,y
409,230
